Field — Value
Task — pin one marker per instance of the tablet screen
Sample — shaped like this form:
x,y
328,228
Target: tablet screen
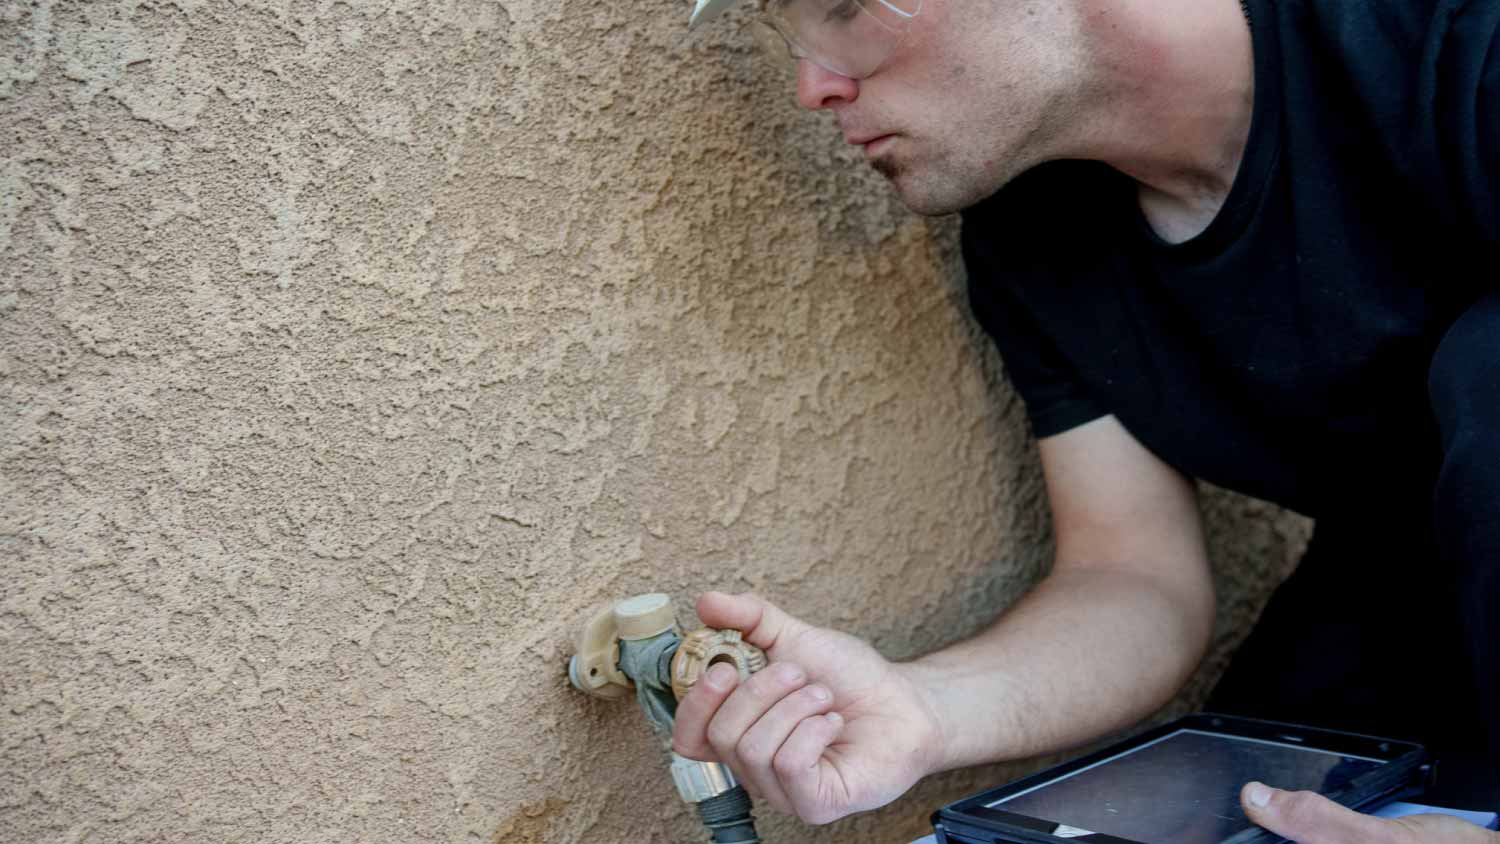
x,y
1184,787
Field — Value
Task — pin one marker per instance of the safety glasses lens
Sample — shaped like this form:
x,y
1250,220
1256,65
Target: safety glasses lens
x,y
849,37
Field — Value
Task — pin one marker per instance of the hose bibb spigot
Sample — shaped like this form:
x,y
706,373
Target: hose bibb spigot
x,y
636,645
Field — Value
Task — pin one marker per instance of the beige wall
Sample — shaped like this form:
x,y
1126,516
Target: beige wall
x,y
351,350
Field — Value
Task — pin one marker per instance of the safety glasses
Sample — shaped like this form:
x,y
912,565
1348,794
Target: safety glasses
x,y
849,37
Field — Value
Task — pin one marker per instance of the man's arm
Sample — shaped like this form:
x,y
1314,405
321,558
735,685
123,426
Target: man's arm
x,y
1106,638
833,728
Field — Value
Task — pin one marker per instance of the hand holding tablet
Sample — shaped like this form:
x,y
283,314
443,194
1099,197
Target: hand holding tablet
x,y
1181,783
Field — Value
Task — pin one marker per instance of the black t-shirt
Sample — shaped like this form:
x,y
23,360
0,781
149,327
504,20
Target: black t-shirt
x,y
1283,352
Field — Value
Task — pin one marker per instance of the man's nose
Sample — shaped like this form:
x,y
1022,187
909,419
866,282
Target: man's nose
x,y
818,87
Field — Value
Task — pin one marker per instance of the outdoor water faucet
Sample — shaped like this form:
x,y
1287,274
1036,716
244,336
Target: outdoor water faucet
x,y
636,645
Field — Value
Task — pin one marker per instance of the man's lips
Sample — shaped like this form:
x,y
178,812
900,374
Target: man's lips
x,y
873,145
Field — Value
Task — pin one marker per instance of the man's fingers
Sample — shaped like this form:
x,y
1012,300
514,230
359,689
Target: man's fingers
x,y
1309,818
760,744
762,623
696,711
747,704
809,780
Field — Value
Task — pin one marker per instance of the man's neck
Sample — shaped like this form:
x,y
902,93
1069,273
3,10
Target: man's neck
x,y
1172,101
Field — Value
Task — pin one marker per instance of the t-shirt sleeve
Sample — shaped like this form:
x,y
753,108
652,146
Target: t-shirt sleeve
x,y
1055,398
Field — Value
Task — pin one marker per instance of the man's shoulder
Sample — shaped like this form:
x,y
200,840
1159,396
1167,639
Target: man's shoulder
x,y
1404,89
1388,41
1395,20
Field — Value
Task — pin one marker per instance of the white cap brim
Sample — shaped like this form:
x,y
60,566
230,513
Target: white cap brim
x,y
707,10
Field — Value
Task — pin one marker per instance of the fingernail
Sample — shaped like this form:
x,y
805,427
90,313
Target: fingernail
x,y
835,719
1260,795
719,676
817,692
788,673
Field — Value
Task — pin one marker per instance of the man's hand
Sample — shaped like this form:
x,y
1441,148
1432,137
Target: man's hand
x,y
828,728
1309,818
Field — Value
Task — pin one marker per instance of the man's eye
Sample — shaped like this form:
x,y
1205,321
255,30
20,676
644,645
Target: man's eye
x,y
845,10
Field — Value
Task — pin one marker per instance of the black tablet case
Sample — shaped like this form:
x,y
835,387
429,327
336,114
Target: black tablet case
x,y
970,821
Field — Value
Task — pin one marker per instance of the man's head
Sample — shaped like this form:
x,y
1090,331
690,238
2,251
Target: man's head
x,y
969,95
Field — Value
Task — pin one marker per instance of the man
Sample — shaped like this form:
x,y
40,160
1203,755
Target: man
x,y
1251,244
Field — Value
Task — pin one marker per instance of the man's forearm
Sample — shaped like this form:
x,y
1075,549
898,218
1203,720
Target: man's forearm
x,y
1088,651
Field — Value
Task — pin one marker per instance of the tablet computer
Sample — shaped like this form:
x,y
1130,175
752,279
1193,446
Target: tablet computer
x,y
1180,784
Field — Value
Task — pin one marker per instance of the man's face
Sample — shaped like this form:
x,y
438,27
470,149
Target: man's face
x,y
961,107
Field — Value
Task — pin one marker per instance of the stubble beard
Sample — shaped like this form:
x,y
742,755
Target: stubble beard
x,y
924,195
938,186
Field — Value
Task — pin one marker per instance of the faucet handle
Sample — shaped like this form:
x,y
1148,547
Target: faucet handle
x,y
644,616
595,665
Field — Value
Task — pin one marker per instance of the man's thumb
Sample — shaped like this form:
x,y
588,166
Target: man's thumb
x,y
762,623
1307,818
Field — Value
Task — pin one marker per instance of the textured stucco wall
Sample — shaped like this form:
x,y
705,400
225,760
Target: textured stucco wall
x,y
352,350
